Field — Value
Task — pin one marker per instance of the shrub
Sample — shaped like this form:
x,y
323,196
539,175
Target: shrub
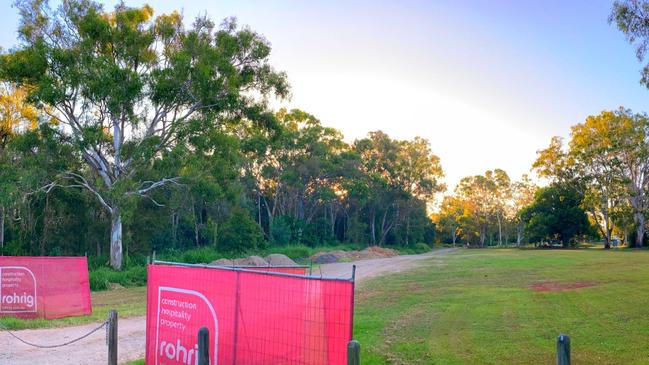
x,y
96,262
101,277
203,255
421,247
240,233
293,251
281,230
14,248
98,279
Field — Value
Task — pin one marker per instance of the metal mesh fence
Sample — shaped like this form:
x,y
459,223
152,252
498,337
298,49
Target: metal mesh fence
x,y
253,317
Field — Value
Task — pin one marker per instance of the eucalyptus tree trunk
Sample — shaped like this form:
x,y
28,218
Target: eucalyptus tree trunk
x,y
408,229
373,226
639,219
608,227
608,230
519,234
116,239
332,216
483,235
174,227
638,202
46,225
2,229
500,231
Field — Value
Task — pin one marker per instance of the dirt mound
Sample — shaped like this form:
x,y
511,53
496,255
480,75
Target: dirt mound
x,y
369,253
375,252
115,286
222,262
250,261
278,259
271,260
324,258
550,286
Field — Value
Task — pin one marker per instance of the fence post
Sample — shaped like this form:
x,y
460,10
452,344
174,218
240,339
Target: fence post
x,y
563,350
112,337
203,346
353,353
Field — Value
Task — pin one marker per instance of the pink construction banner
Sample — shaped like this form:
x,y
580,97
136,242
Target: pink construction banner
x,y
253,317
44,287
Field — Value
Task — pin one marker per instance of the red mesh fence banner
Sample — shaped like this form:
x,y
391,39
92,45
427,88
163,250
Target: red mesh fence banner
x,y
253,317
44,287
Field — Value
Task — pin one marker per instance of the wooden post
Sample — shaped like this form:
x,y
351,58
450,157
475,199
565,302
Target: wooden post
x,y
563,350
353,353
112,337
203,346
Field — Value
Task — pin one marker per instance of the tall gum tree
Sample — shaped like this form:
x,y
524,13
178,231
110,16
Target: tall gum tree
x,y
625,136
608,163
632,18
16,115
480,194
121,84
522,195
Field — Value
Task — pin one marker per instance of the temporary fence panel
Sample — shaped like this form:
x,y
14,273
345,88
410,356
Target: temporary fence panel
x,y
44,287
254,318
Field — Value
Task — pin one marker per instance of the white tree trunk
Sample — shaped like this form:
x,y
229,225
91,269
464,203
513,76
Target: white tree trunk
x,y
500,231
483,235
519,235
2,228
116,239
640,222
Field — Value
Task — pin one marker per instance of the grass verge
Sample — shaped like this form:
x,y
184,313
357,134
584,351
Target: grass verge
x,y
128,302
475,307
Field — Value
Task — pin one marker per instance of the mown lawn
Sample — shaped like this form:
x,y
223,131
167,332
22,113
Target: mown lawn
x,y
128,302
475,307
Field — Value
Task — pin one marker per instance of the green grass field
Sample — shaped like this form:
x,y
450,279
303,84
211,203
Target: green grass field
x,y
475,307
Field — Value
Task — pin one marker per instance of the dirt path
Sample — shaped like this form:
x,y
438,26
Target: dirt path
x,y
366,269
92,350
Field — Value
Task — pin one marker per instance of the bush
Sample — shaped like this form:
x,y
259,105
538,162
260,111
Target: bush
x,y
133,276
134,260
421,247
281,230
96,262
203,255
240,233
14,248
293,251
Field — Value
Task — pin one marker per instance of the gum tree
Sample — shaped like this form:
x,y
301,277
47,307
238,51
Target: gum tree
x,y
16,115
123,85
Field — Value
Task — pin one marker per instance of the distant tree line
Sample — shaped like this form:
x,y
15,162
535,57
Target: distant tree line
x,y
598,188
484,210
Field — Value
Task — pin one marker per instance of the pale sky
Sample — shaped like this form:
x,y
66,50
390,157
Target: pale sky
x,y
488,83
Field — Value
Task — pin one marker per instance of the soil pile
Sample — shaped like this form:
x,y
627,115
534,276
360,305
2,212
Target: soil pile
x,y
372,252
270,260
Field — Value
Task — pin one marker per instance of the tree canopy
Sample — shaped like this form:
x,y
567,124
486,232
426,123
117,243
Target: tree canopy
x,y
127,87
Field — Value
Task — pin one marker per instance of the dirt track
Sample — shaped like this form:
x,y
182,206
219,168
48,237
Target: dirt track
x,y
92,350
